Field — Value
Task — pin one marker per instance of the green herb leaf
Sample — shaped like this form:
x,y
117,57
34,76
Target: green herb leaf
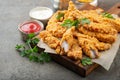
x,y
32,53
84,21
86,61
35,41
75,23
107,15
35,49
33,58
29,51
69,23
28,41
18,47
59,16
23,53
44,57
31,35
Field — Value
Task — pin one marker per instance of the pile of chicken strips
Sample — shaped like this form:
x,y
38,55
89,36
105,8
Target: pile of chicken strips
x,y
74,33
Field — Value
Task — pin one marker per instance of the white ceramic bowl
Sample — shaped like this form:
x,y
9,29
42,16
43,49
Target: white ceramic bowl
x,y
41,13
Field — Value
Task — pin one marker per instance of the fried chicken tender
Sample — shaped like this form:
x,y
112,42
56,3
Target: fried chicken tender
x,y
95,16
70,45
91,45
88,47
115,23
54,26
70,11
100,28
51,41
67,39
56,29
75,52
53,19
107,38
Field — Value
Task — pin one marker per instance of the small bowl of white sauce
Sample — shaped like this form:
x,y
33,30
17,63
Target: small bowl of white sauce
x,y
41,13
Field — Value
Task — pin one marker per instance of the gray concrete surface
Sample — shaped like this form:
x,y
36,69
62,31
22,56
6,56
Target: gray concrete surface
x,y
15,67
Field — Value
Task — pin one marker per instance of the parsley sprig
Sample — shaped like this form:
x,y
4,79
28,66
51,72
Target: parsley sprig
x,y
86,61
69,23
32,52
84,21
107,15
59,16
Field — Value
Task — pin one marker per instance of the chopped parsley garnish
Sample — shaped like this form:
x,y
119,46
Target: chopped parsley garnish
x,y
107,15
84,21
59,16
69,23
86,61
32,53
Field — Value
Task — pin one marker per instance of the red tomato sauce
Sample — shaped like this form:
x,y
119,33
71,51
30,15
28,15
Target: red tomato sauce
x,y
30,27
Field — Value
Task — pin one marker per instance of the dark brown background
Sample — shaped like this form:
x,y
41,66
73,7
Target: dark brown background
x,y
14,67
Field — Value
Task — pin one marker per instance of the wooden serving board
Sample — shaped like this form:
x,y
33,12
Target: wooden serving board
x,y
76,66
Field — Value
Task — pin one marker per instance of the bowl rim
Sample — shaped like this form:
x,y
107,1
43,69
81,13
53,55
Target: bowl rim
x,y
37,8
39,22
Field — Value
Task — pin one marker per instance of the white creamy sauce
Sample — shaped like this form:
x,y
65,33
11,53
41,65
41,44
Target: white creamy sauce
x,y
41,13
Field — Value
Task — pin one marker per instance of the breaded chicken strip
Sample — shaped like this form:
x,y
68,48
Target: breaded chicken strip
x,y
67,40
70,45
107,38
115,23
70,11
91,45
54,19
51,41
94,16
75,52
88,47
56,29
100,28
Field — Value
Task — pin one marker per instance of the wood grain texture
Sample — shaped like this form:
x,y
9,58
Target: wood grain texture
x,y
115,9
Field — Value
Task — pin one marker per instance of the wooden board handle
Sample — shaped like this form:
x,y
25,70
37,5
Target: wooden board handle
x,y
115,9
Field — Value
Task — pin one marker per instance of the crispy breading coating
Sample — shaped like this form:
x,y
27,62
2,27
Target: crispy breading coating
x,y
54,25
67,39
88,47
51,41
100,28
115,23
107,38
70,11
70,45
53,19
56,29
91,45
75,52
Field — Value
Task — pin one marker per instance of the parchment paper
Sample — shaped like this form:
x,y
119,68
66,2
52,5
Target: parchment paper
x,y
105,59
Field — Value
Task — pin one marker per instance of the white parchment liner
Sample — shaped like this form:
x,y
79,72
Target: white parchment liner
x,y
106,58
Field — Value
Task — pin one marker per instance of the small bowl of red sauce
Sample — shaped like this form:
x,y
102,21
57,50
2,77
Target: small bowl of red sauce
x,y
28,27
